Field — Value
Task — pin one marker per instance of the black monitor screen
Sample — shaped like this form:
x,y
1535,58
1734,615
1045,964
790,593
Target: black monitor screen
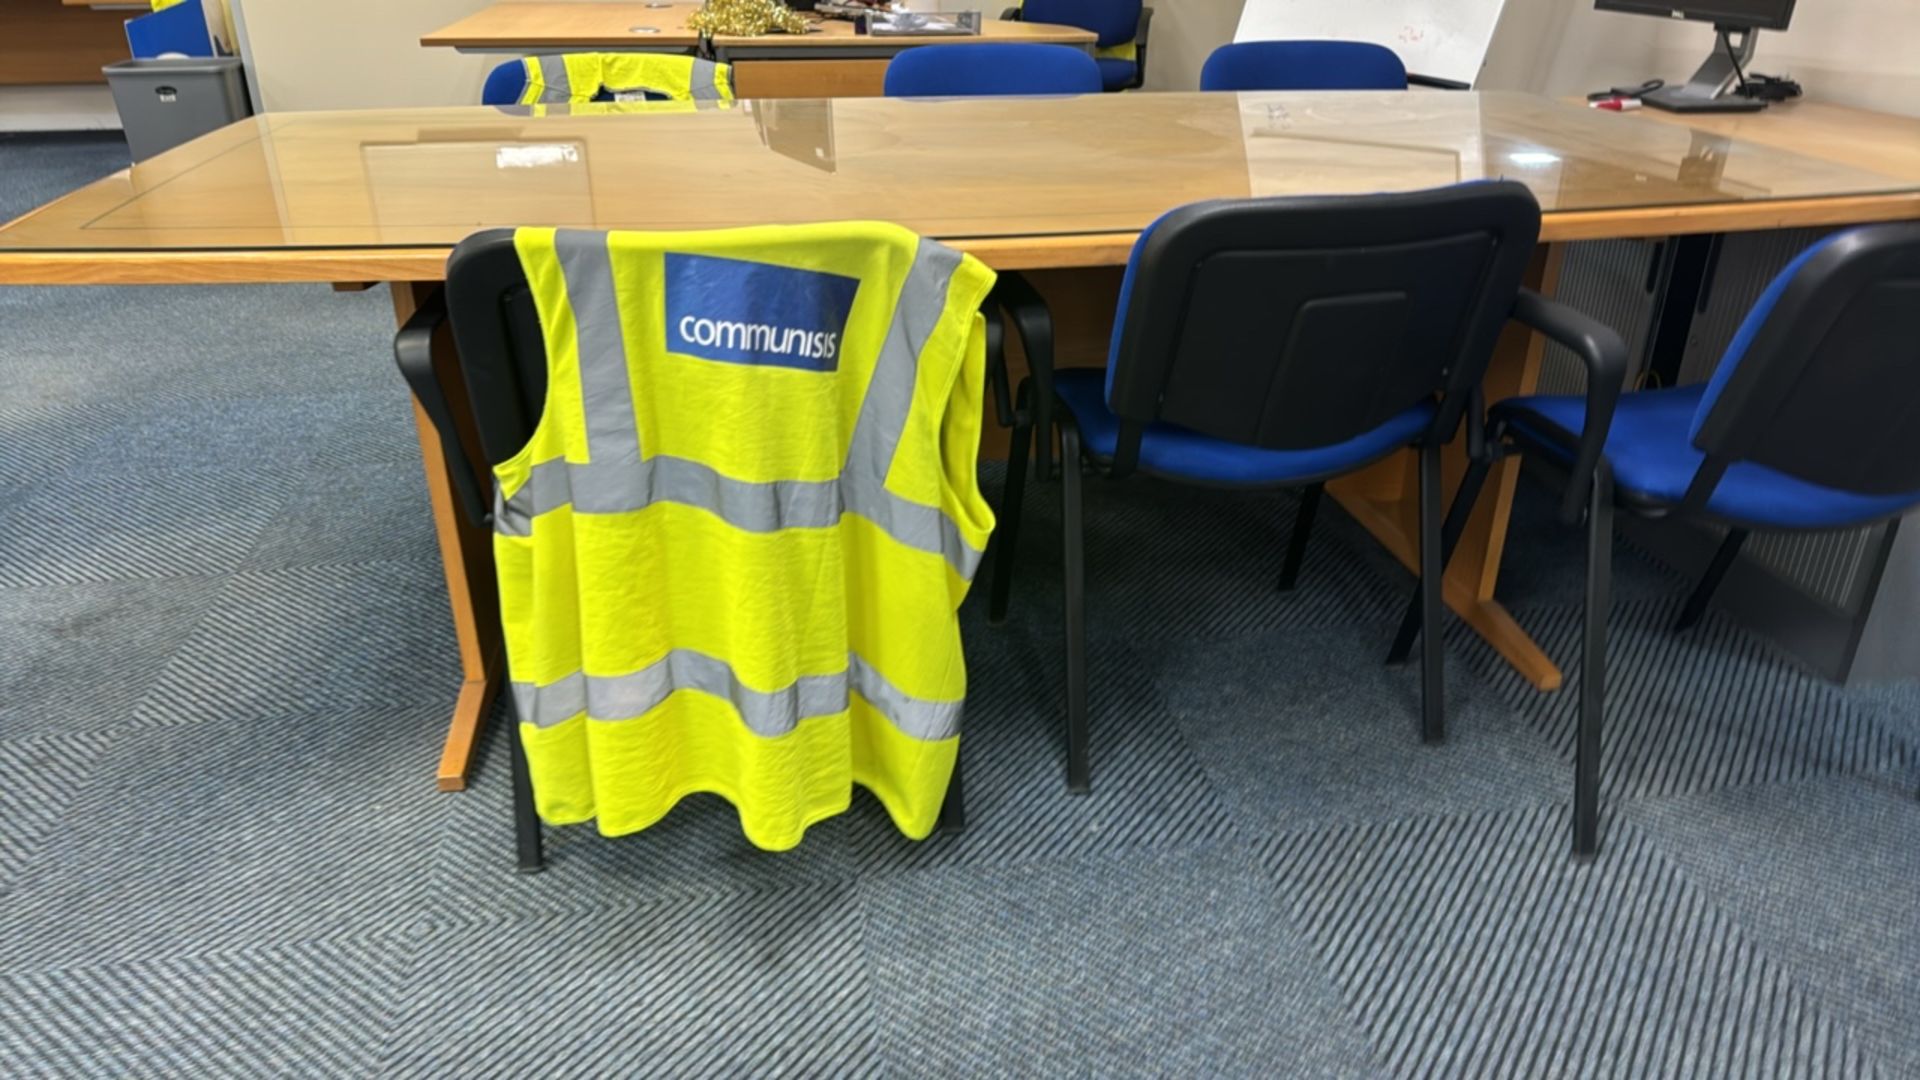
x,y
1757,14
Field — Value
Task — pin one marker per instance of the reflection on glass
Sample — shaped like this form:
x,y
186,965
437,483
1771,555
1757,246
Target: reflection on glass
x,y
797,128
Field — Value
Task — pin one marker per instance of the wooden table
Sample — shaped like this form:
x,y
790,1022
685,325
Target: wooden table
x,y
833,61
1055,186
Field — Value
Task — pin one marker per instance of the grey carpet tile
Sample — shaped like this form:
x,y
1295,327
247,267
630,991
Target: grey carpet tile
x,y
1148,964
1149,790
42,166
1544,560
80,657
38,780
1172,561
43,435
136,523
1471,945
1291,737
320,638
202,342
312,1009
761,985
252,830
1824,872
1712,707
286,432
367,513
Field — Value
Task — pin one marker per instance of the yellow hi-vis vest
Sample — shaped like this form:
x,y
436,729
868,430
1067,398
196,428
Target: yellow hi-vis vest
x,y
731,553
575,78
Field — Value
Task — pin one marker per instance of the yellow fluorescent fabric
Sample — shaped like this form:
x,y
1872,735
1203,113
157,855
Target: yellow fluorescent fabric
x,y
578,78
731,553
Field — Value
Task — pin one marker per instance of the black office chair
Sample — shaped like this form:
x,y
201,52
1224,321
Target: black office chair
x,y
1276,343
1808,423
503,365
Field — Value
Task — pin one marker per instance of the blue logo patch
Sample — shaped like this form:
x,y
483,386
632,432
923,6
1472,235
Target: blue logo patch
x,y
751,313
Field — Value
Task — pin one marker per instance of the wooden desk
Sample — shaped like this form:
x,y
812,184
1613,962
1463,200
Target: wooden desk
x,y
1056,185
831,62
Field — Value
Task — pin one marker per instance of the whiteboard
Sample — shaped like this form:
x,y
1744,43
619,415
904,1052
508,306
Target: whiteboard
x,y
1443,38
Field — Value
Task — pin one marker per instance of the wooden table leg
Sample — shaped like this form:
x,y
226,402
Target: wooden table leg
x,y
466,552
1384,498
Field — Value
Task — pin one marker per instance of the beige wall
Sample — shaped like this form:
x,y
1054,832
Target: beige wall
x,y
358,54
1858,52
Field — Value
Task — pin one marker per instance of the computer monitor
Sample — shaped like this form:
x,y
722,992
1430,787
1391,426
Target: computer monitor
x,y
1737,23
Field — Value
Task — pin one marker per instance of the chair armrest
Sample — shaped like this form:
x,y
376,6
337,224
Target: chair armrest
x,y
1021,302
1604,352
413,352
1435,82
1011,14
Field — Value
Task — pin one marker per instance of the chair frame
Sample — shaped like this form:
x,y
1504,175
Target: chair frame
x,y
1034,406
1590,481
487,306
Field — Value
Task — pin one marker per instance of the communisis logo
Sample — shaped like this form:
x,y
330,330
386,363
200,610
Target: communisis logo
x,y
761,337
744,312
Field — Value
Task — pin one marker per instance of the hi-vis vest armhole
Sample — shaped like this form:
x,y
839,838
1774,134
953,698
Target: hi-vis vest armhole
x,y
578,78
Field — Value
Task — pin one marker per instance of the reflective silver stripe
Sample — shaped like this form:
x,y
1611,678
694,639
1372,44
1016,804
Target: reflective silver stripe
x,y
606,389
889,402
704,81
766,713
555,85
617,480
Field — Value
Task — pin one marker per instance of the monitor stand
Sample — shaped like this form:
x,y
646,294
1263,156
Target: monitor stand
x,y
1711,88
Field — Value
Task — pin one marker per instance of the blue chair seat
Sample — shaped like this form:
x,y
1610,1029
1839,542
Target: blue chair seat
x,y
1171,450
1653,460
1115,73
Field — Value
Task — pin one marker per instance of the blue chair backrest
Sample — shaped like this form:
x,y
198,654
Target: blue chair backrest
x,y
1299,322
1303,65
1113,21
505,84
1822,380
981,70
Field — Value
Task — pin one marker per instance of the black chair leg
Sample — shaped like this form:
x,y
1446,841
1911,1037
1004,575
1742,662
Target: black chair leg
x,y
526,820
1006,535
1302,526
1433,693
1463,503
1593,667
953,812
1074,554
1710,581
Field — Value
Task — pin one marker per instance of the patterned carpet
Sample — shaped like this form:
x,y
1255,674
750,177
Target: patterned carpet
x,y
226,659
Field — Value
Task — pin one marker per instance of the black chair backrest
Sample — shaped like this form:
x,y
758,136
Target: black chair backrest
x,y
1291,323
1823,380
503,354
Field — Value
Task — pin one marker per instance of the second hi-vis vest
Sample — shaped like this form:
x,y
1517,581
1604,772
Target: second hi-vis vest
x,y
575,78
731,553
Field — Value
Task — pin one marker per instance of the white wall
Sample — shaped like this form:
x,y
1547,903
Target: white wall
x,y
358,54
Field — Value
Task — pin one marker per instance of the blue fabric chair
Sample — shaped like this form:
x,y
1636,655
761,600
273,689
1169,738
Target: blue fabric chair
x,y
1303,65
1274,344
1808,423
505,83
1113,22
982,70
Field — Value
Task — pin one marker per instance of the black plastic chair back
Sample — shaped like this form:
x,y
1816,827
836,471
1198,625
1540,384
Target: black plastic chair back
x,y
1827,388
503,355
1295,323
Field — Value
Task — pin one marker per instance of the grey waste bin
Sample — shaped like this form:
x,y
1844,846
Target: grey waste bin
x,y
164,103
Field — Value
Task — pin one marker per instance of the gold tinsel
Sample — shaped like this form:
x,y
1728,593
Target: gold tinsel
x,y
745,18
